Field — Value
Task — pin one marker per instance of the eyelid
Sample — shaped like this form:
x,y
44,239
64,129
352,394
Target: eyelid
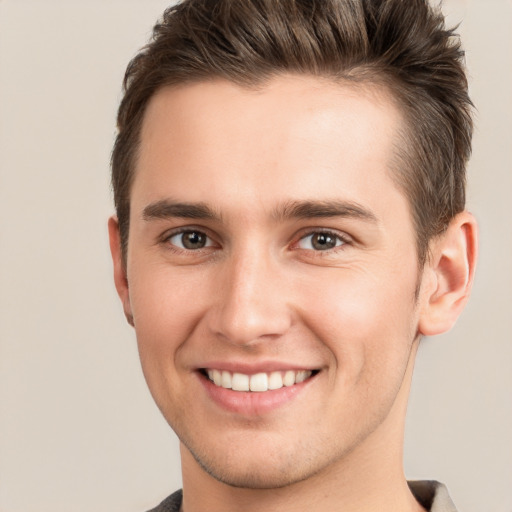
x,y
170,233
341,235
304,233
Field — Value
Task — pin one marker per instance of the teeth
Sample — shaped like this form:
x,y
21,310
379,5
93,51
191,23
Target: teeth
x,y
302,376
240,382
289,378
259,382
275,380
226,381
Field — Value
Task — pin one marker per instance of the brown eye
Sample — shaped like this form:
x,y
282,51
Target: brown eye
x,y
320,241
190,240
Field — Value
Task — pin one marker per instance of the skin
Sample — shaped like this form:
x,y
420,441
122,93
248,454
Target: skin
x,y
260,292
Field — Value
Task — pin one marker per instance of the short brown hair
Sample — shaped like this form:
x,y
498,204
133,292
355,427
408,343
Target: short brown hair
x,y
402,44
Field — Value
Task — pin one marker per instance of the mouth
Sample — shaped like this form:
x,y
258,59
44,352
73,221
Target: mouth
x,y
258,382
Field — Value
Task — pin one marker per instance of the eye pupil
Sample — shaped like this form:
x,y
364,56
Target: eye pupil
x,y
323,241
193,240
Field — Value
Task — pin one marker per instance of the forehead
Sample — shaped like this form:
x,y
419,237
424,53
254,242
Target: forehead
x,y
294,138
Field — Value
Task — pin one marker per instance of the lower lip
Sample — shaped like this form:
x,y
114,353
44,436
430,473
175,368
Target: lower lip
x,y
252,403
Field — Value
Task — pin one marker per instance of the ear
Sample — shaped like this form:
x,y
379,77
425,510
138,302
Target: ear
x,y
120,279
448,275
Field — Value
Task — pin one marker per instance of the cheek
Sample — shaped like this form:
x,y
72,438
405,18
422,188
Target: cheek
x,y
359,295
167,306
365,319
163,298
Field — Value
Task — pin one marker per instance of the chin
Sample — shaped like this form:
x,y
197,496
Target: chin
x,y
252,475
256,469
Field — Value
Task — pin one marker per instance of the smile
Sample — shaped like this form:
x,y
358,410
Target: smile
x,y
258,382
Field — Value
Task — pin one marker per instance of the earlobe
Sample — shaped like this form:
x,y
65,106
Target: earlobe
x,y
120,278
449,274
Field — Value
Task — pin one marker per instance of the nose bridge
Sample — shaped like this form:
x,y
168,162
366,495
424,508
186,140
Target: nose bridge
x,y
252,304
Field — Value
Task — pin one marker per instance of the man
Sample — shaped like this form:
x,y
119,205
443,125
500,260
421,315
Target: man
x,y
289,185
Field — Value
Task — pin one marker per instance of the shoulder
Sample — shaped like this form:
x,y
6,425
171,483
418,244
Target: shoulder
x,y
171,504
432,495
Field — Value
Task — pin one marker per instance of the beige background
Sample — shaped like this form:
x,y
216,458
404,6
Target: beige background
x,y
78,430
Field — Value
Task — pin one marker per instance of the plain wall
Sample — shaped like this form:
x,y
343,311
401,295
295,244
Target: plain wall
x,y
78,429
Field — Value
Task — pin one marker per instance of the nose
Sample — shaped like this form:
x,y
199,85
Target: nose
x,y
252,303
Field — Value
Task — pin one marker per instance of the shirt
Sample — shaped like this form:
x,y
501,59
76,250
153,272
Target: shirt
x,y
432,495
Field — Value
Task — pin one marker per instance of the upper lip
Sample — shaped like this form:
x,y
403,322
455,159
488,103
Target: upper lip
x,y
253,368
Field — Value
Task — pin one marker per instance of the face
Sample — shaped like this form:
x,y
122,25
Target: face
x,y
271,274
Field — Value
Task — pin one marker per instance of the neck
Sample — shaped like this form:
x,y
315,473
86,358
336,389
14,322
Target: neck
x,y
369,478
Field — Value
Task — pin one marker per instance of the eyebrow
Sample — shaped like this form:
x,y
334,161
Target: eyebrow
x,y
166,209
322,209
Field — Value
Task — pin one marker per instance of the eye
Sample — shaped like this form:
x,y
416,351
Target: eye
x,y
190,240
320,241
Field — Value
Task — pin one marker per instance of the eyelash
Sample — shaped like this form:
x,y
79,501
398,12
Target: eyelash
x,y
168,236
342,240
